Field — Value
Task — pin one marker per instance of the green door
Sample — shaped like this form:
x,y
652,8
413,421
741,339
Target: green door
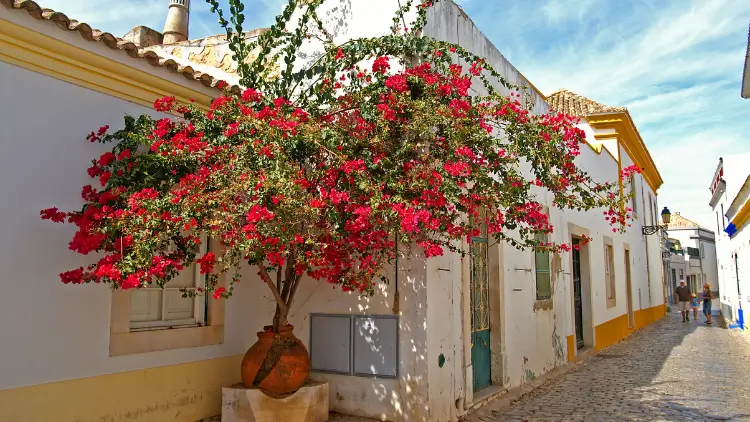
x,y
480,314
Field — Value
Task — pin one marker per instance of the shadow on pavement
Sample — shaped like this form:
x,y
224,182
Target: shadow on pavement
x,y
671,371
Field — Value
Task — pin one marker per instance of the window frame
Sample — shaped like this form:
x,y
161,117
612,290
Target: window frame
x,y
537,270
126,340
651,209
634,199
199,302
609,273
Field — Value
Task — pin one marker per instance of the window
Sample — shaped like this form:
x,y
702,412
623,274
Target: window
x,y
703,251
156,308
542,266
674,278
634,199
693,283
154,319
609,271
718,229
363,345
651,209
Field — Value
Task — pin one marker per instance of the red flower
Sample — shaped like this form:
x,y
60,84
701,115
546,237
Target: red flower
x,y
164,104
207,262
106,159
219,292
53,214
251,95
397,83
130,282
74,276
104,177
124,154
381,65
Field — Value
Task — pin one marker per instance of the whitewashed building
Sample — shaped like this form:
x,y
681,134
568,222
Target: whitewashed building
x,y
698,251
410,353
730,191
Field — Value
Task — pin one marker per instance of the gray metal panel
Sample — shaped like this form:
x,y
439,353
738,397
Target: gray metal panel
x,y
375,345
330,343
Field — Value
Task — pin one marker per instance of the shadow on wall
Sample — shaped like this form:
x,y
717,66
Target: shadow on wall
x,y
403,394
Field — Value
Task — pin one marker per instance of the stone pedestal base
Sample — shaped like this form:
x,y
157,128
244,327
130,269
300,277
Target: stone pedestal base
x,y
309,404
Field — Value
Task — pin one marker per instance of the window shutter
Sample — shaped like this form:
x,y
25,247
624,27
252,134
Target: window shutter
x,y
145,305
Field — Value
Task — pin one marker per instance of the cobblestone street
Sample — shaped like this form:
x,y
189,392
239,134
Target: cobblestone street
x,y
670,371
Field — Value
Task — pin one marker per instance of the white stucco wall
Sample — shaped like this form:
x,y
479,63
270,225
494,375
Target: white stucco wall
x,y
734,279
55,332
51,331
44,165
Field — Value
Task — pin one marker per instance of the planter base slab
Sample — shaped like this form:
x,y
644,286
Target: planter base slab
x,y
241,404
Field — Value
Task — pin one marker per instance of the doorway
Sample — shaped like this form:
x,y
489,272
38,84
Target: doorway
x,y
480,315
629,292
577,293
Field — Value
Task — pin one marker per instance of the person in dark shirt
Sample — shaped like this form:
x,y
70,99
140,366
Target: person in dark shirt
x,y
683,297
707,296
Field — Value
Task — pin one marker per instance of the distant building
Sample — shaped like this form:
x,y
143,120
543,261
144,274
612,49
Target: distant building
x,y
693,252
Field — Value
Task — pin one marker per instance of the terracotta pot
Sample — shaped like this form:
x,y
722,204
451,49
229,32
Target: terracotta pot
x,y
278,363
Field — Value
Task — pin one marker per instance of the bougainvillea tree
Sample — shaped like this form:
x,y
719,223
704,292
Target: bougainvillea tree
x,y
317,172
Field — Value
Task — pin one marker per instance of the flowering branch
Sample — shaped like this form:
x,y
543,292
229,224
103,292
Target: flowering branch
x,y
316,174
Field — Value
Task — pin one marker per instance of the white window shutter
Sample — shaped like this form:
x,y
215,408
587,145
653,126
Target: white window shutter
x,y
145,305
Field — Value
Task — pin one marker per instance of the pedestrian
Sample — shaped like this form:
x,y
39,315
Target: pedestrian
x,y
694,305
707,296
682,293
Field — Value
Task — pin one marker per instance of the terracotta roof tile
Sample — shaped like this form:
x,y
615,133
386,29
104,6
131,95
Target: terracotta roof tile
x,y
573,104
112,42
678,221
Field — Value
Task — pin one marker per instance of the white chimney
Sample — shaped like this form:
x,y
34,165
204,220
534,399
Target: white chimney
x,y
178,18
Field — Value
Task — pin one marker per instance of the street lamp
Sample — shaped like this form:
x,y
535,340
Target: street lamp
x,y
666,216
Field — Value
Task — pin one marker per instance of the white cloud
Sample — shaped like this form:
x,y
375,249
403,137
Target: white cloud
x,y
558,11
677,67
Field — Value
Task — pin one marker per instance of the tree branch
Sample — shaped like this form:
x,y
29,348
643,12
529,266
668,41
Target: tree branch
x,y
267,279
297,280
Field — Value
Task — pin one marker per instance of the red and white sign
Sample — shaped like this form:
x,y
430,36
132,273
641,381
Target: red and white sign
x,y
717,176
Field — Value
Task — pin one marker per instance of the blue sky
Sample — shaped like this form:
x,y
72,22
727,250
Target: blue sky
x,y
676,64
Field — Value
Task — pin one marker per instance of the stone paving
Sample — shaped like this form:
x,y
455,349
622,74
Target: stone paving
x,y
669,371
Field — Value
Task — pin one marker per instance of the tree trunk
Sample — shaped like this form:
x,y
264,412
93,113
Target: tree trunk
x,y
280,318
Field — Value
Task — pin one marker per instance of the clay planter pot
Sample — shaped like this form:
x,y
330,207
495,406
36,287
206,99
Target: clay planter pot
x,y
278,363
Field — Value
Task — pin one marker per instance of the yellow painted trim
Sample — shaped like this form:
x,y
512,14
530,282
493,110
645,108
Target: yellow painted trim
x,y
597,148
742,216
606,137
631,141
49,56
616,329
177,393
571,348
